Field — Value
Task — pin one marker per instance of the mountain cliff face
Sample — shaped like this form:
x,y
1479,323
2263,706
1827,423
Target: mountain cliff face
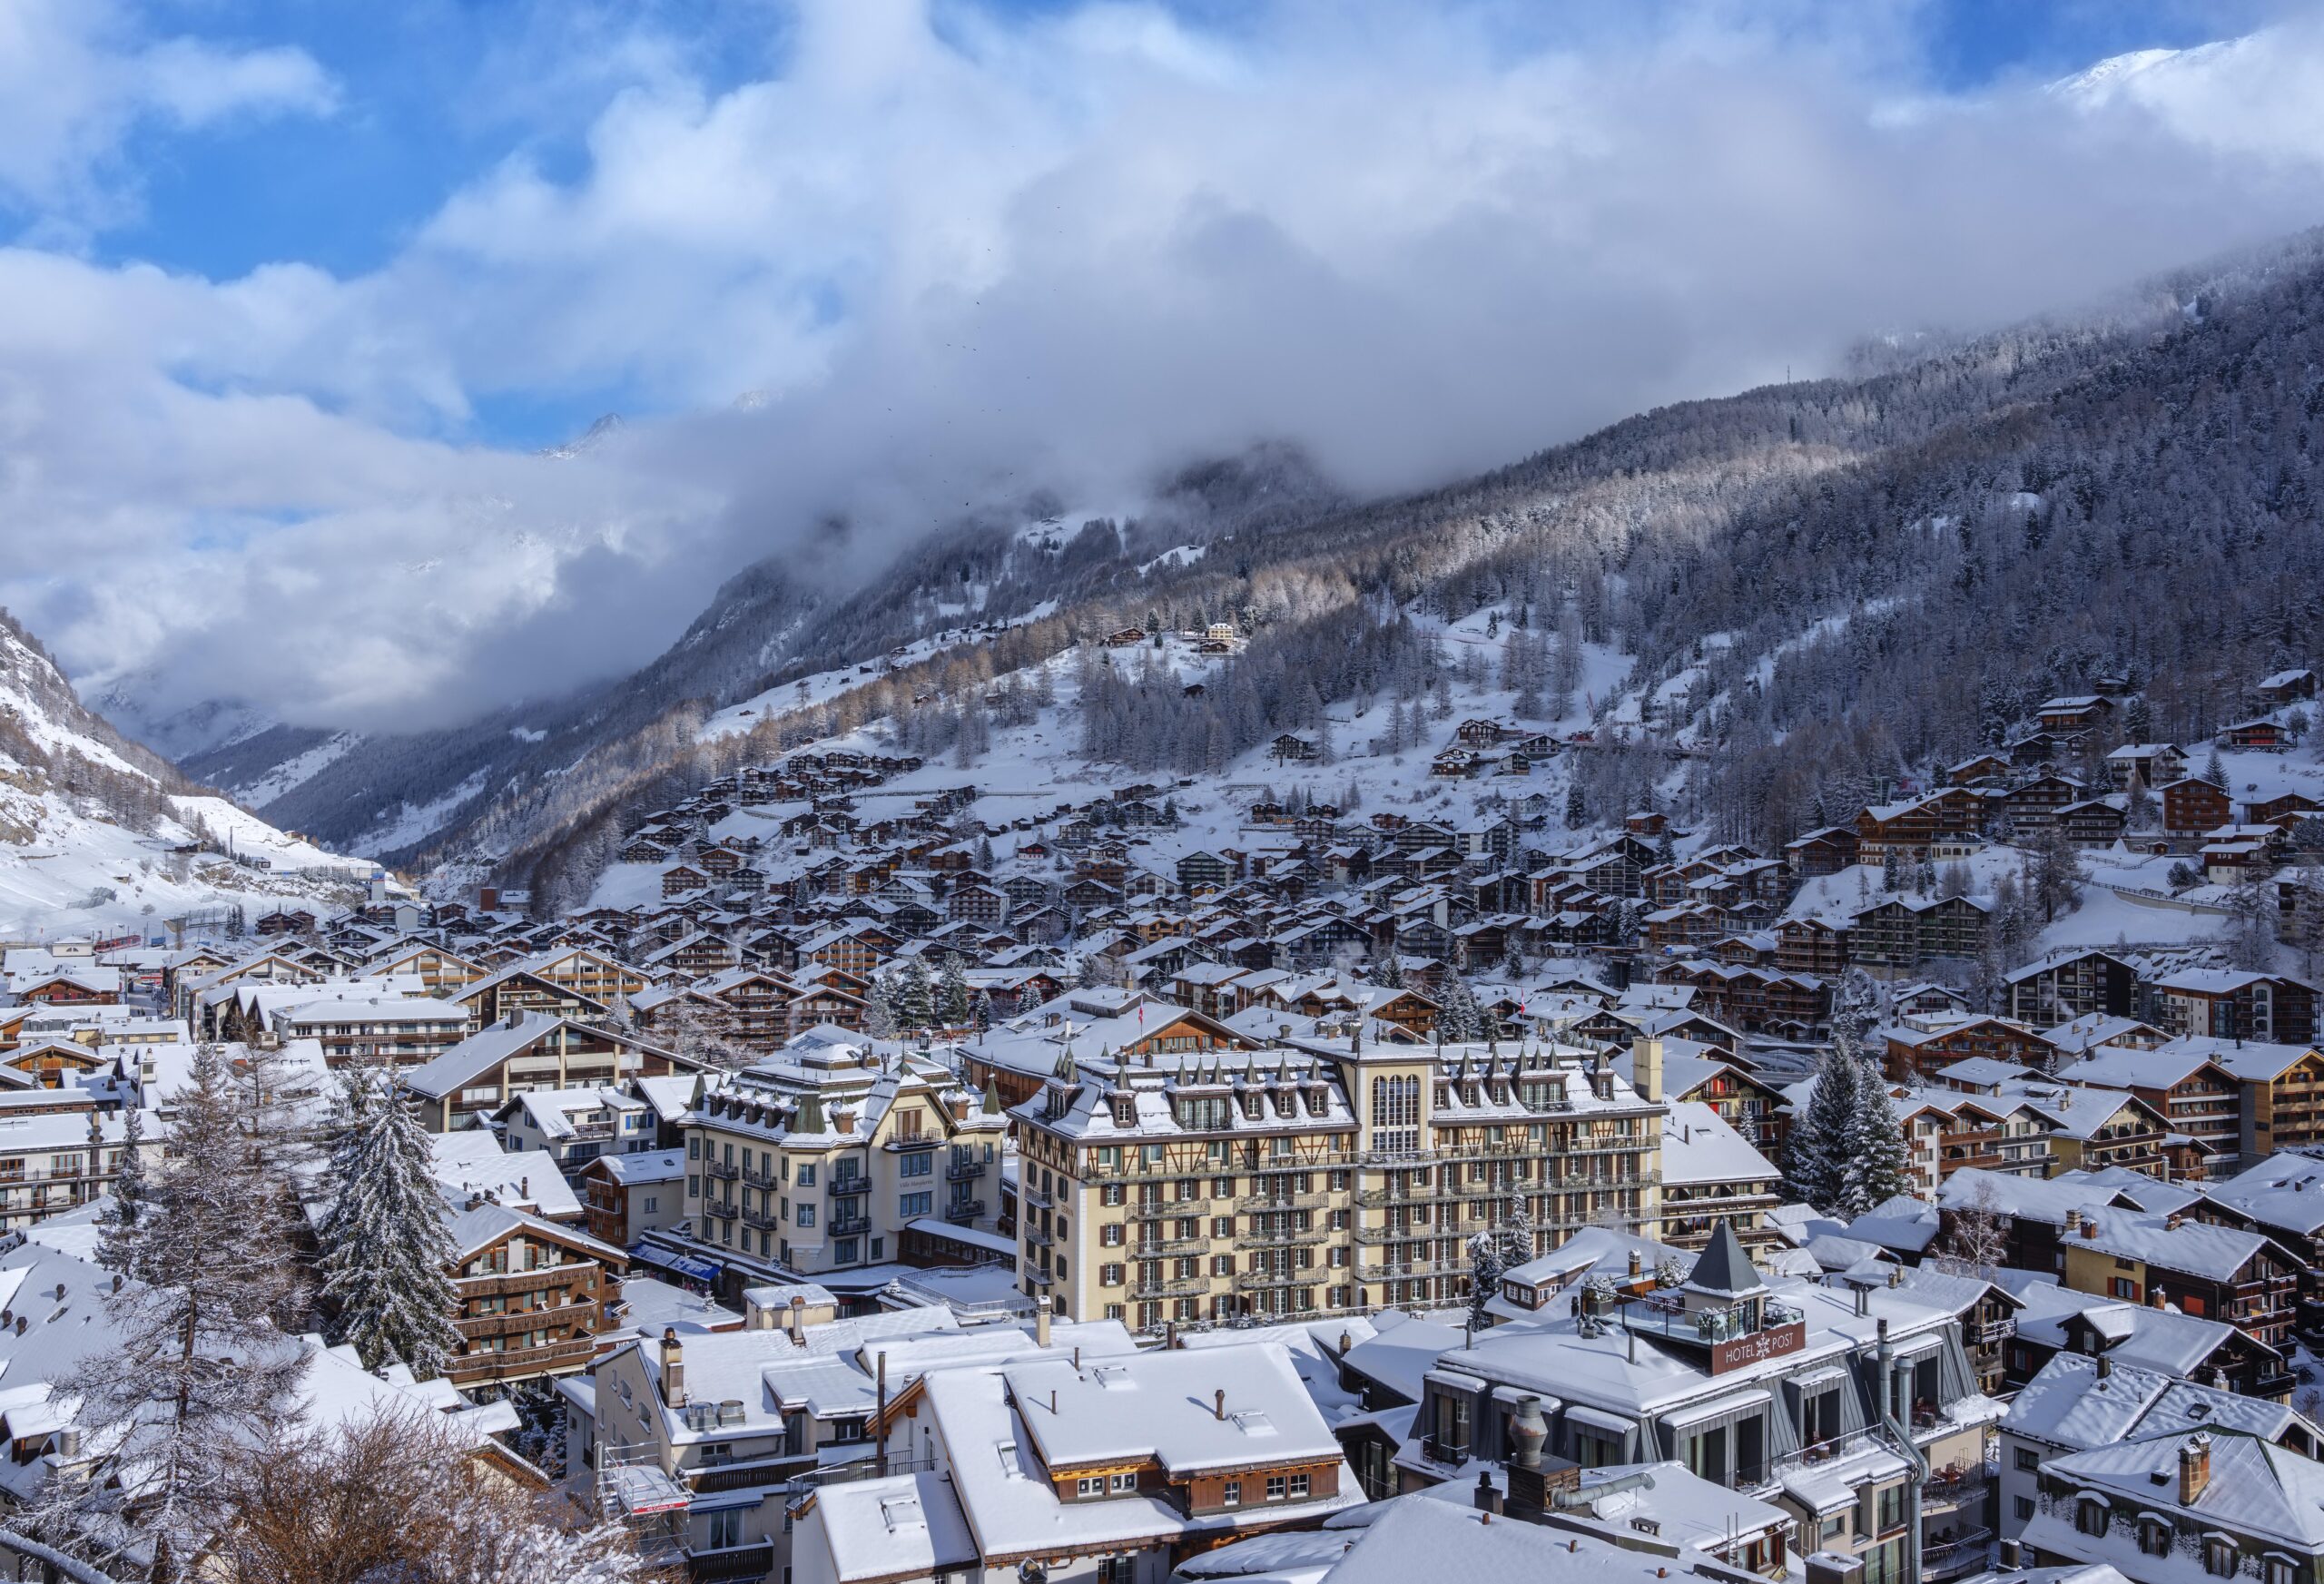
x,y
99,835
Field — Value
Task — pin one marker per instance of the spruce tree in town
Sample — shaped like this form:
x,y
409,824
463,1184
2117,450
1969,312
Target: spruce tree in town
x,y
1819,1136
386,1243
1874,1167
195,1358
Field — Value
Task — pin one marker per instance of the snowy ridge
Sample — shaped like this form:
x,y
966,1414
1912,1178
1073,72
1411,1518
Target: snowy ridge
x,y
99,837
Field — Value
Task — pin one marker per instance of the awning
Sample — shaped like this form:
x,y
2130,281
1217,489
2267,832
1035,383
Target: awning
x,y
1612,1423
1817,1380
1454,1380
1728,1407
1516,1398
682,1264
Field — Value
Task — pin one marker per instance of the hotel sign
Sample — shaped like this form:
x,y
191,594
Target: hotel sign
x,y
1758,1347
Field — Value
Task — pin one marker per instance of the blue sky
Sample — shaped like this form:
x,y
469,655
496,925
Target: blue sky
x,y
294,292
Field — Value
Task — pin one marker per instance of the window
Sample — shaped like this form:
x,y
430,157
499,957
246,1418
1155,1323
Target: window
x,y
1299,1486
1110,1236
1117,1571
806,1173
725,1529
1109,1275
2027,1457
694,1185
1276,1486
1231,1493
806,1215
1123,1481
2090,1517
2126,1288
2219,1559
2155,1537
917,1165
911,1204
2024,1506
653,1204
844,1250
1090,1485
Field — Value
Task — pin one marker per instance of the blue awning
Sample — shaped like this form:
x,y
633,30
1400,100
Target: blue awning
x,y
682,1264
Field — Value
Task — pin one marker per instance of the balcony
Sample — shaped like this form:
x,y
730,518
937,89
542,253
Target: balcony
x,y
751,1561
961,1170
1704,1327
847,1225
515,1364
710,1478
1038,1199
1164,1209
718,1210
1266,1203
1248,1281
754,1177
1171,1287
964,1210
1170,1249
849,1188
1410,1270
1303,1237
765,1220
1035,1237
1962,1554
726,1169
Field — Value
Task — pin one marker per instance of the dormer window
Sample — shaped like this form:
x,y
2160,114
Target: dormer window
x,y
2090,1516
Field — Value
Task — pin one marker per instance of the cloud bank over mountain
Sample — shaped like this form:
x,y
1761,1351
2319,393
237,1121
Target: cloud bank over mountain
x,y
919,258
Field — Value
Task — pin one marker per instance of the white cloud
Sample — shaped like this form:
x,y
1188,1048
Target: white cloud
x,y
77,77
963,256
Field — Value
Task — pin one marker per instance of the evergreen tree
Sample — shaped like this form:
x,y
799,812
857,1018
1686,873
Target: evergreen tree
x,y
955,1001
1458,1017
1819,1134
1874,1167
1577,809
880,1009
1388,971
913,997
1485,1266
198,1359
2214,771
385,1242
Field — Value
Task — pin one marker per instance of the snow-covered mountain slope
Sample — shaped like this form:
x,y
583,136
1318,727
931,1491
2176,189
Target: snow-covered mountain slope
x,y
99,835
488,787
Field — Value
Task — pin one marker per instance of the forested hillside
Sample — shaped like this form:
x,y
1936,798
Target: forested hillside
x,y
1829,586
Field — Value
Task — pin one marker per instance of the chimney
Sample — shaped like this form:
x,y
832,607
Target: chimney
x,y
2106,1366
2073,1222
1638,1265
1218,1404
1528,1433
1833,1567
68,1443
1041,1321
673,1369
1486,1499
1646,1067
2195,1469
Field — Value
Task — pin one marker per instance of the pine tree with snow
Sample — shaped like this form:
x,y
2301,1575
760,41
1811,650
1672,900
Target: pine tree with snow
x,y
199,1357
2214,771
1577,808
1874,1167
1458,1017
1485,1266
1819,1134
955,1001
880,1009
127,1200
1388,971
386,1243
913,997
1516,1236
